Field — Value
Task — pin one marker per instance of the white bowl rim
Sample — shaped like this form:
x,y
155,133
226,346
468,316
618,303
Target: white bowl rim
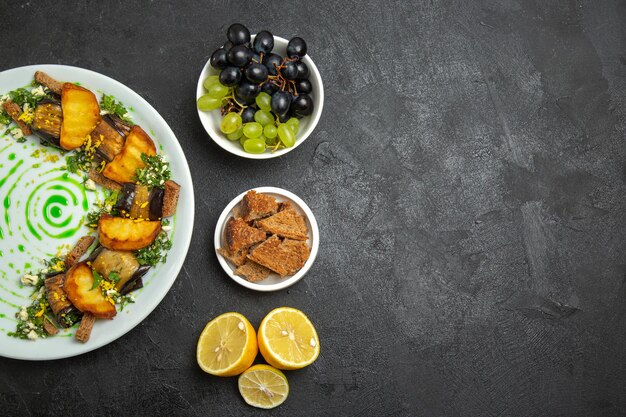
x,y
222,142
287,282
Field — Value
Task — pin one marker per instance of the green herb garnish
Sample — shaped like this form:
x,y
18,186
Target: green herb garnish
x,y
156,172
107,206
97,278
78,161
5,118
109,105
23,95
114,277
156,252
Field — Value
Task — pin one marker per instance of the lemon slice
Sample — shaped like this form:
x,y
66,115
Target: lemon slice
x,y
227,346
287,339
263,386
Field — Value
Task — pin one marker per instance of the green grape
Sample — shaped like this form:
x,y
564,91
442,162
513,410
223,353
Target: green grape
x,y
236,134
286,136
208,103
243,140
254,146
270,131
218,90
293,124
263,117
271,141
210,80
252,130
264,101
230,123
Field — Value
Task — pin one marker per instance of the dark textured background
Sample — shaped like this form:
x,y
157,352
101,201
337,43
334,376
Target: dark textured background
x,y
468,177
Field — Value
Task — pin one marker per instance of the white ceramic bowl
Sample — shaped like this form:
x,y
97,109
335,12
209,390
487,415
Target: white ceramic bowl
x,y
273,282
211,120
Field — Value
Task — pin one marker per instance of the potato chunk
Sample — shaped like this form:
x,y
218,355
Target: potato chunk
x,y
81,115
78,286
124,166
118,233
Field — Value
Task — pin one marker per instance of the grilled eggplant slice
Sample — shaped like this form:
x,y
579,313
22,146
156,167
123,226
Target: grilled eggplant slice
x,y
118,124
48,120
78,286
136,280
124,166
109,140
123,263
119,233
139,202
81,114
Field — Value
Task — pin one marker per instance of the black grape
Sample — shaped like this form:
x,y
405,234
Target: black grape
x,y
230,76
290,71
303,70
280,102
272,61
239,56
303,86
247,116
256,73
218,59
296,47
238,34
302,105
228,46
269,88
247,90
263,42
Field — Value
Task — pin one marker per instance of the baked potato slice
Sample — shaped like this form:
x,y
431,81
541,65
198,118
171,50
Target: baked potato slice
x,y
124,165
78,287
81,115
119,233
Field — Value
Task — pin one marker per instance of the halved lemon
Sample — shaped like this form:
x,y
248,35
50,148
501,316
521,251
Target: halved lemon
x,y
227,346
287,339
263,386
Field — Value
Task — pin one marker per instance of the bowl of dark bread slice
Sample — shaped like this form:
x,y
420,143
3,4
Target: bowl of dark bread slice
x,y
266,239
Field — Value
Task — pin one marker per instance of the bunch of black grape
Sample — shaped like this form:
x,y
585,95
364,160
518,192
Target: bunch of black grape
x,y
261,94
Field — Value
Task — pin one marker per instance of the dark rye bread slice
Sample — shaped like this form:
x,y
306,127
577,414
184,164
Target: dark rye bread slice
x,y
78,251
170,197
286,223
283,257
237,258
49,82
15,111
98,178
252,271
255,206
240,236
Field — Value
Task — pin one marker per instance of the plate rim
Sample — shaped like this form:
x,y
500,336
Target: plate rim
x,y
177,265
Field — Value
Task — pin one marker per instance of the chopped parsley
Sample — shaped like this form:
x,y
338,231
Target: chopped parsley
x,y
108,105
114,277
5,119
97,278
156,172
106,206
156,252
22,96
78,161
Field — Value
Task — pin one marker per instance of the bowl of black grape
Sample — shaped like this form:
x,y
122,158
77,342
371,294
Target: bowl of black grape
x,y
259,96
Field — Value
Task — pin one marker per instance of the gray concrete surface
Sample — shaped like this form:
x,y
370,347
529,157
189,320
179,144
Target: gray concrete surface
x,y
468,176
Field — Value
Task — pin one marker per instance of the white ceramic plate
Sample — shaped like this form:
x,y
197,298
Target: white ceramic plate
x,y
273,282
211,120
33,189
